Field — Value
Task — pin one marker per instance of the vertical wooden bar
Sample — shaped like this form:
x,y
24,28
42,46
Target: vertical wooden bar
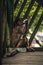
x,y
1,22
10,5
4,25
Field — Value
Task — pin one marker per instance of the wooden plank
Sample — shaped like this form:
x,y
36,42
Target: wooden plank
x,y
40,2
29,58
23,64
1,29
15,5
36,29
29,8
21,9
34,16
10,4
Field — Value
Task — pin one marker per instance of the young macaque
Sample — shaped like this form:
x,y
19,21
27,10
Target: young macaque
x,y
17,33
17,37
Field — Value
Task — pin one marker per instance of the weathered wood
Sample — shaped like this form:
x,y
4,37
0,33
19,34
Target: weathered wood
x,y
15,5
28,9
1,28
36,29
33,17
21,9
31,58
40,2
36,39
10,4
4,25
39,49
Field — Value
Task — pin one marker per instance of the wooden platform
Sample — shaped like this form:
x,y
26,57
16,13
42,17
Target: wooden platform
x,y
29,58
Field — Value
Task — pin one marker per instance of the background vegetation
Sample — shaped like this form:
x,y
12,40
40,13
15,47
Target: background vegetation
x,y
30,14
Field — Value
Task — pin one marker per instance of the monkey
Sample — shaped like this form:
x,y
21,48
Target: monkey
x,y
17,37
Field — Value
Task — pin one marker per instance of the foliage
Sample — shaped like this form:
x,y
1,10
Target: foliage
x,y
31,12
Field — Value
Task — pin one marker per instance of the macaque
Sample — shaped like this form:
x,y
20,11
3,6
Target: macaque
x,y
17,35
17,38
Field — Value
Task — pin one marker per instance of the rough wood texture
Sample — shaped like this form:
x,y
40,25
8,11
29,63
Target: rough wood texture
x,y
29,58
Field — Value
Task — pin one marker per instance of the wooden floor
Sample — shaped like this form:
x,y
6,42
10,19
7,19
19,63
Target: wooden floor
x,y
28,58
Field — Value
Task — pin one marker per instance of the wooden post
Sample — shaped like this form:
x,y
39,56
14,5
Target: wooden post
x,y
10,5
4,26
1,22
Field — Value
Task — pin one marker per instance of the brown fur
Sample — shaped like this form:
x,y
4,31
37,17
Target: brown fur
x,y
16,35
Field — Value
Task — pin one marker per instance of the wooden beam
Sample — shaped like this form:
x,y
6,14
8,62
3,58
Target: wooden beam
x,y
29,25
15,5
36,38
34,16
4,26
36,29
40,2
10,5
1,25
28,9
21,9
